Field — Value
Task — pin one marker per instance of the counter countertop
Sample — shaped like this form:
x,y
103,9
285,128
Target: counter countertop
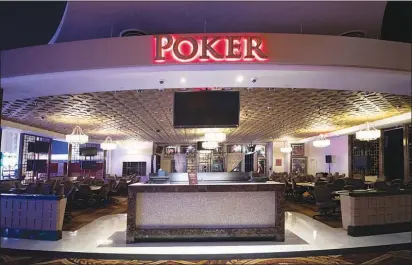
x,y
209,187
375,193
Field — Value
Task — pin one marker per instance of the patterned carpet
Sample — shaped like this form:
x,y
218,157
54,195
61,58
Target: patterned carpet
x,y
402,257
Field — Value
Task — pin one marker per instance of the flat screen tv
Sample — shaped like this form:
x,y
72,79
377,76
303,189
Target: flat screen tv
x,y
88,165
88,151
38,147
206,109
42,147
361,162
39,166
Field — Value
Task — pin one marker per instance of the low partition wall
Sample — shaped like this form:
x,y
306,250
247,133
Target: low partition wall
x,y
206,212
32,216
376,212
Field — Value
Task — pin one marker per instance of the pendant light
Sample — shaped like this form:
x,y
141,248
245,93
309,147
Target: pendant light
x,y
368,134
210,145
286,148
77,136
215,137
108,144
321,141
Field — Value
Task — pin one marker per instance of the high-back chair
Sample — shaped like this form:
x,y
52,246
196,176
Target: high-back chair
x,y
381,185
98,182
70,195
84,195
324,201
31,189
408,185
339,184
39,188
396,184
320,183
357,183
47,189
102,196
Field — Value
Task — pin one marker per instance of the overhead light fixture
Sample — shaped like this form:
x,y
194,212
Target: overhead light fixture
x,y
183,80
108,144
210,145
286,148
368,134
239,78
321,141
215,137
77,136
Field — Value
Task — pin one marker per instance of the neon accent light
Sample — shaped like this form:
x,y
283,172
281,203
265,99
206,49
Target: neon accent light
x,y
186,49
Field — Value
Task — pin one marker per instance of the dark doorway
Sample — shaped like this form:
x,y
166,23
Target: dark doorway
x,y
393,154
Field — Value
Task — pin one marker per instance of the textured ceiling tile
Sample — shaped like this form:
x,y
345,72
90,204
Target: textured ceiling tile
x,y
264,114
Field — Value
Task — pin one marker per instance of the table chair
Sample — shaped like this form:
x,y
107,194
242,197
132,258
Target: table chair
x,y
84,196
102,196
381,185
324,201
70,195
297,191
408,185
47,189
338,184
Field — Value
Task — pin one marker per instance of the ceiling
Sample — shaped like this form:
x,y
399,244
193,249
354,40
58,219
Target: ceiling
x,y
102,19
266,114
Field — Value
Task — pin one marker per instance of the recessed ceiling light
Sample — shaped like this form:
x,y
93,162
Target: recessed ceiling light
x,y
239,78
183,80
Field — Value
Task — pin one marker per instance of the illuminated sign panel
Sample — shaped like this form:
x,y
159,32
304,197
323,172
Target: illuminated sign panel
x,y
184,49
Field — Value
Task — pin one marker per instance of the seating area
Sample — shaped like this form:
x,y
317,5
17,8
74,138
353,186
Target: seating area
x,y
80,192
324,189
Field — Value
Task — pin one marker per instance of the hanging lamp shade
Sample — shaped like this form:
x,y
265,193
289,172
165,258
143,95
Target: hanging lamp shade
x,y
210,145
286,148
108,144
368,134
321,141
215,137
77,136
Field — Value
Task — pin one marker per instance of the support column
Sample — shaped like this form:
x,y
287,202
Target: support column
x,y
49,159
406,154
269,158
69,159
104,163
381,156
350,149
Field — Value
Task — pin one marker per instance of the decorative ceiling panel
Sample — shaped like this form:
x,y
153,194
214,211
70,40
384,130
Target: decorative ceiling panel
x,y
265,114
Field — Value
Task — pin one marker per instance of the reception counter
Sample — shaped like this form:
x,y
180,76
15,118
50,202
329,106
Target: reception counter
x,y
205,212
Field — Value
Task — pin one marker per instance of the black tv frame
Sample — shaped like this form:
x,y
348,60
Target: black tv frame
x,y
205,126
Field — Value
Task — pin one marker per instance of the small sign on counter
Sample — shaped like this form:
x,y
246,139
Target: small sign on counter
x,y
192,178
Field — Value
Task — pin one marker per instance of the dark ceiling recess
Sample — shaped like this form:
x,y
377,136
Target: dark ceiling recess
x,y
397,22
24,24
